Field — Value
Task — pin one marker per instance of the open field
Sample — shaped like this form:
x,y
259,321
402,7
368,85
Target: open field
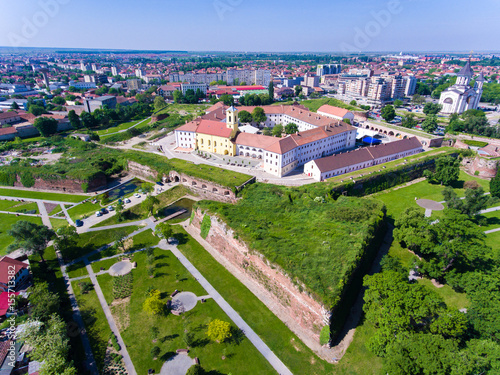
x,y
6,222
241,355
115,129
42,195
16,206
183,109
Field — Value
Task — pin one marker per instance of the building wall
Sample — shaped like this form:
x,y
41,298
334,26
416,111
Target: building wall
x,y
207,189
215,144
185,139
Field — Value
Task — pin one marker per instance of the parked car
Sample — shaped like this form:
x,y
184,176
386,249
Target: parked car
x,y
172,240
137,195
127,200
111,208
159,183
98,214
79,223
104,211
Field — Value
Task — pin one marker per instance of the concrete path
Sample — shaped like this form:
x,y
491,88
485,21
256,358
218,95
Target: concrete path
x,y
492,209
492,231
115,226
111,321
177,365
45,215
32,199
124,130
77,317
233,315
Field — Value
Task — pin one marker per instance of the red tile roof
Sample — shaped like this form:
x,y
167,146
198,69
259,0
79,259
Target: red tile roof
x,y
6,115
216,128
5,262
5,302
334,111
256,140
343,160
189,127
9,130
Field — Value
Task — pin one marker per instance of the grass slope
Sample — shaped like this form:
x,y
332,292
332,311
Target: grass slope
x,y
6,222
42,195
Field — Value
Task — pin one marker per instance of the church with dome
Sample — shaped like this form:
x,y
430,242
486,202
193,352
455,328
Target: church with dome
x,y
461,96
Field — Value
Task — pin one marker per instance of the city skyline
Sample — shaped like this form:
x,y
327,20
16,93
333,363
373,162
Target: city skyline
x,y
244,26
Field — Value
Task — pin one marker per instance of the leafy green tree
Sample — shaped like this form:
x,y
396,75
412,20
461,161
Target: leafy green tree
x,y
59,100
277,130
432,108
119,211
408,121
398,103
159,103
195,370
153,304
50,345
74,120
14,106
46,126
353,103
298,90
66,239
259,115
164,230
155,352
430,124
474,202
30,237
219,330
271,90
267,131
44,303
417,99
245,117
36,110
495,186
412,230
447,171
227,99
291,128
88,120
149,204
178,96
388,113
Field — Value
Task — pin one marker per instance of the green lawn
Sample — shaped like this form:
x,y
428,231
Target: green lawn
x,y
294,354
96,266
314,104
6,222
136,212
91,241
84,210
16,206
115,129
193,109
56,210
41,195
449,296
58,223
242,358
96,324
77,270
493,240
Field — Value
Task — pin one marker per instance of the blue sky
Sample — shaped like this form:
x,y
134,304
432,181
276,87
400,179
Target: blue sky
x,y
253,25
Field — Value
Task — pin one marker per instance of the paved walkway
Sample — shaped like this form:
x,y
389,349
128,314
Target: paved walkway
x,y
45,215
111,321
233,315
492,231
177,365
77,316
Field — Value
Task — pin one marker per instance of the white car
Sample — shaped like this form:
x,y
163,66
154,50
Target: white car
x,y
111,208
137,195
98,214
127,200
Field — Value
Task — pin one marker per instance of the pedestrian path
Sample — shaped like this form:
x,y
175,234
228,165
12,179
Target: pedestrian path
x,y
235,317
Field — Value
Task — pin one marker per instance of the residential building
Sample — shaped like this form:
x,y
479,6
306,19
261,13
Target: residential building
x,y
114,71
325,69
82,85
311,80
14,274
249,76
90,105
410,83
134,84
194,86
337,113
9,118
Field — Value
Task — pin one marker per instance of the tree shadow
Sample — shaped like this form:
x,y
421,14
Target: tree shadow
x,y
458,184
162,256
160,274
237,336
168,356
200,343
182,238
213,372
158,265
168,337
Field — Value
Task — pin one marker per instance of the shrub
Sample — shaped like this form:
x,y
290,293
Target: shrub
x,y
155,352
122,286
471,185
27,179
206,223
85,286
114,342
324,336
85,187
7,178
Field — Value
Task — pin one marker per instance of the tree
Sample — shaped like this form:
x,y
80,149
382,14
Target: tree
x,y
119,211
417,99
298,90
398,103
475,201
409,121
195,370
88,120
432,108
30,237
159,102
412,230
155,352
149,204
164,230
59,100
271,90
50,344
267,131
178,97
46,126
259,115
245,117
495,186
219,330
430,124
36,110
291,128
44,303
447,171
153,304
277,130
66,239
227,99
353,103
14,105
74,120
388,113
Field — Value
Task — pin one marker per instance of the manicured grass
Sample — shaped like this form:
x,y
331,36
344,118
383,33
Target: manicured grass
x,y
144,239
56,210
314,104
242,358
406,258
137,212
77,270
449,296
84,210
117,128
194,109
358,359
6,222
96,324
96,266
279,338
493,240
58,223
42,195
91,241
492,218
16,206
